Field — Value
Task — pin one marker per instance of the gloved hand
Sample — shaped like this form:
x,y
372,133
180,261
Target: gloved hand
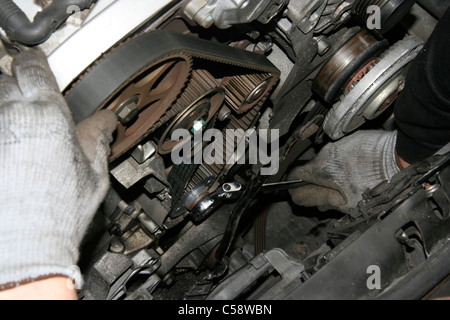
x,y
53,176
344,170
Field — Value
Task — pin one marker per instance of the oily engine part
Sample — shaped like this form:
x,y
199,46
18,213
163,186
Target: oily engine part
x,y
198,105
245,91
371,95
145,98
166,56
350,60
186,177
257,90
198,102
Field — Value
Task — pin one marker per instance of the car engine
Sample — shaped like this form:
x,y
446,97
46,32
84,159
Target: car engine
x,y
287,75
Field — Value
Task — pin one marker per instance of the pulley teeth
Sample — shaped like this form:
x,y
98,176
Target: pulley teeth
x,y
236,122
239,88
201,81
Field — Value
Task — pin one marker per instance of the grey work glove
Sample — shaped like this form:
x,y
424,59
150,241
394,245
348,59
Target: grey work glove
x,y
344,170
53,176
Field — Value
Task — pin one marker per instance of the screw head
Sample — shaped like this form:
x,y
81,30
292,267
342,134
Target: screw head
x,y
207,21
128,110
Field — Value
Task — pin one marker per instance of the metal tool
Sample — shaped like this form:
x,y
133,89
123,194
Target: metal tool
x,y
212,201
201,202
283,185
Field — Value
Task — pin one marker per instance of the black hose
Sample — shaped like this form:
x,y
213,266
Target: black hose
x,y
19,28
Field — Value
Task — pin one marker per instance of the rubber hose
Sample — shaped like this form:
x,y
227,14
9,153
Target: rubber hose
x,y
18,28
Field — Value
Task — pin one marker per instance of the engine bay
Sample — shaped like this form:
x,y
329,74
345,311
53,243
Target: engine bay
x,y
217,101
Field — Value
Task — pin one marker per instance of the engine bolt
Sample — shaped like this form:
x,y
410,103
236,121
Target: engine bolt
x,y
323,45
128,110
224,114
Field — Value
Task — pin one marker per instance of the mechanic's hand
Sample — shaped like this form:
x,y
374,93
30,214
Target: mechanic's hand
x,y
53,176
343,170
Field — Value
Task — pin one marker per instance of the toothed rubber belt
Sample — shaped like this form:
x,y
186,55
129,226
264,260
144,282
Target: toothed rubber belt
x,y
119,66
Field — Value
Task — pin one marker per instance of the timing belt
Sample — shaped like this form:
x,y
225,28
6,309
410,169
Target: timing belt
x,y
108,74
101,81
